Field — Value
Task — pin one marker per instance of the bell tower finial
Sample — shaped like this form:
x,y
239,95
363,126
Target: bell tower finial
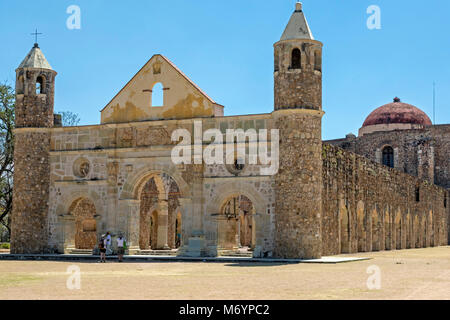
x,y
36,34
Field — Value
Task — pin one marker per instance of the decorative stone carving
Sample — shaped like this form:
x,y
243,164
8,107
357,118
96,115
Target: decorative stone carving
x,y
81,168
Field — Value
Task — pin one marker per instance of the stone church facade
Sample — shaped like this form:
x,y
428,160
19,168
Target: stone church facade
x,y
73,184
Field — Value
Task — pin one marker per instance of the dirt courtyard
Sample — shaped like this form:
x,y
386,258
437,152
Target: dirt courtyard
x,y
406,274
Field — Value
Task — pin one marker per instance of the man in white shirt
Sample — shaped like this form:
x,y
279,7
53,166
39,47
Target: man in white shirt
x,y
120,247
108,243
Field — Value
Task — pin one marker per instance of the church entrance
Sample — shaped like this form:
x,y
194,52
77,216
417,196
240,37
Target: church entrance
x,y
159,219
236,225
83,210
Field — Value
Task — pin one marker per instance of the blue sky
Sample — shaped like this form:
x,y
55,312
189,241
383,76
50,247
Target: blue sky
x,y
226,47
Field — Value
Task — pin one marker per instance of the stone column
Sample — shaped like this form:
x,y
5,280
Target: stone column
x,y
186,223
68,232
128,223
193,239
163,227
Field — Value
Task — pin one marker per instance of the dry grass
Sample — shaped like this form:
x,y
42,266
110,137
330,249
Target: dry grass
x,y
407,274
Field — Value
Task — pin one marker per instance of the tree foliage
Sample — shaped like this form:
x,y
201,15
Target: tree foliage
x,y
69,119
7,104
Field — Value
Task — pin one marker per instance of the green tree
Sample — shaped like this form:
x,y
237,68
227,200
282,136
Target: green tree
x,y
7,104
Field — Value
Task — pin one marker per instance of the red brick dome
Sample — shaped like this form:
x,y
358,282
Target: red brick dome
x,y
397,112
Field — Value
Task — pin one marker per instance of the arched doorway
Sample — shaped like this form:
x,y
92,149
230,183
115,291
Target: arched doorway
x,y
159,201
236,227
83,210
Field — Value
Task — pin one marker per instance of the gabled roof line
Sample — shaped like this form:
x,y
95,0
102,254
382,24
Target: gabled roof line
x,y
175,67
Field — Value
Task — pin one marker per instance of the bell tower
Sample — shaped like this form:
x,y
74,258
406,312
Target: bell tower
x,y
35,90
298,66
298,116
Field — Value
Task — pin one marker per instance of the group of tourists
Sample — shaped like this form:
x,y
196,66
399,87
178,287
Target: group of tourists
x,y
105,247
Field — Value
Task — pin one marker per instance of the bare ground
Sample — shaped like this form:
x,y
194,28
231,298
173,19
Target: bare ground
x,y
406,274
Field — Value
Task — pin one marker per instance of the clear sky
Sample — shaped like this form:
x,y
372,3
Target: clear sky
x,y
226,47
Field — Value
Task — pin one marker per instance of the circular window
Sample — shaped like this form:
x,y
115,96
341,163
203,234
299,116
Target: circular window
x,y
81,168
237,167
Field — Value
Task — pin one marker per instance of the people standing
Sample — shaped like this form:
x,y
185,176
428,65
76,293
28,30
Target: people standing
x,y
102,248
108,243
121,245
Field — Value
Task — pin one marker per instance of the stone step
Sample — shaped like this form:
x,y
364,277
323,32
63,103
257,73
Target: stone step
x,y
247,254
80,251
171,253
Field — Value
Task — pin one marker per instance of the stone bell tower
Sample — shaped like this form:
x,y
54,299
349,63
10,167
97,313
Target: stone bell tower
x,y
35,90
298,116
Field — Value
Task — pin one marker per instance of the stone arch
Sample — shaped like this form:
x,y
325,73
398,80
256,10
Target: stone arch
x,y
260,204
41,84
362,230
158,182
84,212
158,95
157,193
388,156
344,220
236,223
227,190
296,58
133,184
66,201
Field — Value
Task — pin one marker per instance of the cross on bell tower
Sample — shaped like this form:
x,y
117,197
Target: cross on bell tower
x,y
36,34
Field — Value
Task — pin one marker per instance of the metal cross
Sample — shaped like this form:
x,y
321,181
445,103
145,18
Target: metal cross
x,y
36,33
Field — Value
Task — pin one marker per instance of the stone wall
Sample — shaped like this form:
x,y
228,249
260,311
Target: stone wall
x,y
29,232
424,153
370,207
298,185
